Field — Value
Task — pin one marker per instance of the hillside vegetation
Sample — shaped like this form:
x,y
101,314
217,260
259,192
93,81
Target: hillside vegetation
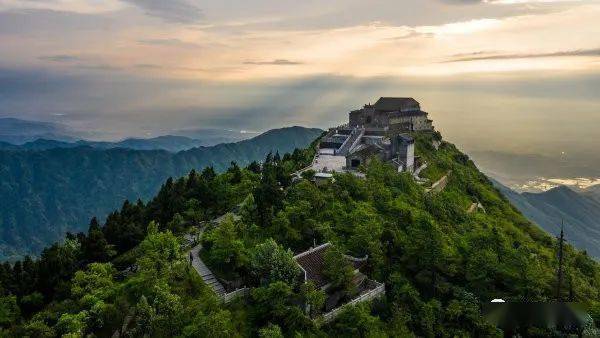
x,y
579,212
49,192
438,262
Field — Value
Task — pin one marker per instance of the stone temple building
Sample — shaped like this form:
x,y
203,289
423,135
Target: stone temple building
x,y
394,113
400,150
380,130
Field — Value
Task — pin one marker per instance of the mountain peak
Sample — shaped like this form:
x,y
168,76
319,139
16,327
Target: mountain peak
x,y
562,189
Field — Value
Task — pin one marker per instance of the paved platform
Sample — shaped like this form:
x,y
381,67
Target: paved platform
x,y
329,163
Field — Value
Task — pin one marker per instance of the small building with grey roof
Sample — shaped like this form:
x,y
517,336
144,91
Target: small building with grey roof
x,y
312,265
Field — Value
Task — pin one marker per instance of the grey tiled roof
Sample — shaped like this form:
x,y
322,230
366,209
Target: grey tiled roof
x,y
394,103
313,262
406,138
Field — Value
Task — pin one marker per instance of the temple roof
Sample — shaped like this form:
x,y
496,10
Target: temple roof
x,y
406,138
388,104
367,149
313,263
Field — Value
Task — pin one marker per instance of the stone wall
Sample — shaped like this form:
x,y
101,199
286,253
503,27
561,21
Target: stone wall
x,y
369,117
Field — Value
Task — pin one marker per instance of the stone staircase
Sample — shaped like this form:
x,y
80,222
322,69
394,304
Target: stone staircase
x,y
356,134
207,276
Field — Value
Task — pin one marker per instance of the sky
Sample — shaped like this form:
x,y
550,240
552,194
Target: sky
x,y
518,76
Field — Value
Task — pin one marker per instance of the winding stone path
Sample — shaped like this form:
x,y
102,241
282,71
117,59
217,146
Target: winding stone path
x,y
440,185
207,276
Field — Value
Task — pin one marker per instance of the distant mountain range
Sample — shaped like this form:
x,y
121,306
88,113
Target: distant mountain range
x,y
17,131
529,171
17,134
53,188
593,193
580,212
169,143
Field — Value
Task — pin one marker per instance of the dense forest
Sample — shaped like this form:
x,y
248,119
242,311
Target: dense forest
x,y
439,262
49,192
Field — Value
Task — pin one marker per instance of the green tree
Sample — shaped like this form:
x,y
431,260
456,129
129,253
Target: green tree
x,y
73,325
357,321
37,328
429,317
425,250
275,303
9,311
225,247
254,167
217,324
235,172
270,331
268,195
31,303
313,298
95,247
56,267
338,270
481,272
145,315
159,251
168,320
308,175
270,262
193,211
248,211
96,281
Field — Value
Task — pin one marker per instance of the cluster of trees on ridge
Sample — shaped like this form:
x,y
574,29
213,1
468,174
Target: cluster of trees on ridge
x,y
439,263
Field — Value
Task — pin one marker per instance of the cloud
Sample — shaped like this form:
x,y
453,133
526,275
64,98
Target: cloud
x,y
516,2
79,62
148,66
463,2
167,42
483,55
175,11
412,34
158,67
506,2
277,62
98,67
60,58
70,6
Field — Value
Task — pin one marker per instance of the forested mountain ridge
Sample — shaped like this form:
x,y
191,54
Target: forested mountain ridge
x,y
439,263
593,192
167,142
579,212
49,192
